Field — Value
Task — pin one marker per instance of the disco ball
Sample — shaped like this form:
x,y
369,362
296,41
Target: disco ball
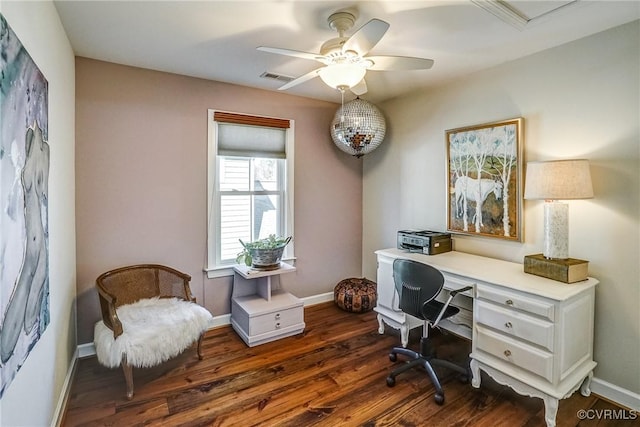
x,y
358,127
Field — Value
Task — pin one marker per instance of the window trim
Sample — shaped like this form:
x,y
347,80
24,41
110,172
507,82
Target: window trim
x,y
213,270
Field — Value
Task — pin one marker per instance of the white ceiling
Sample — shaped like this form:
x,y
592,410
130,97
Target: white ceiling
x,y
217,40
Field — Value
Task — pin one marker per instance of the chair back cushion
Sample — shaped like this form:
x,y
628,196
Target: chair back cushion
x,y
416,284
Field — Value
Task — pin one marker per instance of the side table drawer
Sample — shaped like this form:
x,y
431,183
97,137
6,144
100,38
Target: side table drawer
x,y
529,304
259,317
518,325
517,353
276,320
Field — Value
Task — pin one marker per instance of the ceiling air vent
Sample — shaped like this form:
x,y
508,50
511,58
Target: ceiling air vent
x,y
274,76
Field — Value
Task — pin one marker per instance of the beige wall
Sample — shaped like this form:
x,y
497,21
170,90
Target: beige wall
x,y
580,100
32,397
141,171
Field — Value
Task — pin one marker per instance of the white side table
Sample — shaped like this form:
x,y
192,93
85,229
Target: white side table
x,y
260,313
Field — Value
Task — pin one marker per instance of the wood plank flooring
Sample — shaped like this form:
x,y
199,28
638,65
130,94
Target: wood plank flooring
x,y
331,375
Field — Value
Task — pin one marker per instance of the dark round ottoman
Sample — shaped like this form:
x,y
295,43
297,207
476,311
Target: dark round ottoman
x,y
355,295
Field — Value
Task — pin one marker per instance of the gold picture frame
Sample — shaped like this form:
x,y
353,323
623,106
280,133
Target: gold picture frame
x,y
484,179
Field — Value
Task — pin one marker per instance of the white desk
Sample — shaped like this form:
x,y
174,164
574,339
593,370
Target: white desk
x,y
532,334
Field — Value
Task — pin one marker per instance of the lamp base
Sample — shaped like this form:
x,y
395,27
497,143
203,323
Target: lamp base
x,y
556,230
568,270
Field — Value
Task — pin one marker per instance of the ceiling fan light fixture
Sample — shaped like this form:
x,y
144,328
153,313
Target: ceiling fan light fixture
x,y
345,58
342,75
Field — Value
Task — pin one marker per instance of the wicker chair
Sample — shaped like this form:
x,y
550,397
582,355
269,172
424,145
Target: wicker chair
x,y
148,316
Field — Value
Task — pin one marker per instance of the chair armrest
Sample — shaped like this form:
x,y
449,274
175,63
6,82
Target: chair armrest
x,y
459,291
186,287
183,292
452,295
109,313
187,291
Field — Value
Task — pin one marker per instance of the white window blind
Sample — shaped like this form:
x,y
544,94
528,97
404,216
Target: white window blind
x,y
251,141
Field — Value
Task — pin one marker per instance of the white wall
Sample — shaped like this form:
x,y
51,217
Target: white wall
x,y
32,397
580,100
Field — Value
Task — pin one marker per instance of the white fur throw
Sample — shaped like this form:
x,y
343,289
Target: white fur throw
x,y
154,330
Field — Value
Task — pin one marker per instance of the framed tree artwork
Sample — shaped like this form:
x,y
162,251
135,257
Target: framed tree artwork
x,y
484,179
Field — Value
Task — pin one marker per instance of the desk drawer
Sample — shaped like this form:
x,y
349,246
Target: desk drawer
x,y
515,324
276,320
530,304
517,353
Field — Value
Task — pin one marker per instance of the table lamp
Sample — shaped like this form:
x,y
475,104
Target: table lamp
x,y
553,181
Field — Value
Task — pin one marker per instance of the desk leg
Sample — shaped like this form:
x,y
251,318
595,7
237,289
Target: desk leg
x,y
585,388
550,410
404,335
380,325
404,328
475,373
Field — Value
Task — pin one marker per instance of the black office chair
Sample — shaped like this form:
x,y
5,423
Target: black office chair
x,y
418,285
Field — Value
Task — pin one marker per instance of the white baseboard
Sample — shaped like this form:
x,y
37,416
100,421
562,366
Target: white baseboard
x,y
86,350
317,299
619,395
58,415
222,320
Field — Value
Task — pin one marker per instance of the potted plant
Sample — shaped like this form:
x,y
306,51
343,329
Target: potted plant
x,y
263,254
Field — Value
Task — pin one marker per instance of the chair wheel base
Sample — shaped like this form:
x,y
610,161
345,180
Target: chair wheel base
x,y
391,381
439,398
393,357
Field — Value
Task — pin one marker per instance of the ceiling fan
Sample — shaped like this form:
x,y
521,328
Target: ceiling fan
x,y
344,58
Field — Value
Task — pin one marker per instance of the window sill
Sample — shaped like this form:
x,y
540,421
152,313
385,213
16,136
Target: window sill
x,y
227,270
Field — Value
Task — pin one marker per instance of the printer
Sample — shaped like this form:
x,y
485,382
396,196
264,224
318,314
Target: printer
x,y
424,241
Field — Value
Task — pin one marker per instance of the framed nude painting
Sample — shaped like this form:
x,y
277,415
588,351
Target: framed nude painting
x,y
484,179
24,201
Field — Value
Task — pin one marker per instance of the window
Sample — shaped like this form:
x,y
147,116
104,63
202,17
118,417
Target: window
x,y
250,188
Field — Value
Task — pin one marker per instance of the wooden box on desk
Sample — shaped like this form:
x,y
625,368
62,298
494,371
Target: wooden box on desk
x,y
568,270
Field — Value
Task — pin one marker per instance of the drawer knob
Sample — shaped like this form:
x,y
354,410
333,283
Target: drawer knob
x,y
277,316
508,302
507,353
278,325
508,325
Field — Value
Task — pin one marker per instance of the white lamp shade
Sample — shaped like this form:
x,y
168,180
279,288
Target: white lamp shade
x,y
342,75
558,180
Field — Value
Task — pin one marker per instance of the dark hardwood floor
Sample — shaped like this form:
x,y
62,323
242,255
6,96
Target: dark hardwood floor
x,y
331,375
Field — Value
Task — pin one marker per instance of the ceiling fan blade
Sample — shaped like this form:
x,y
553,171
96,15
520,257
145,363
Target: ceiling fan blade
x,y
382,63
301,79
360,88
363,40
294,53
